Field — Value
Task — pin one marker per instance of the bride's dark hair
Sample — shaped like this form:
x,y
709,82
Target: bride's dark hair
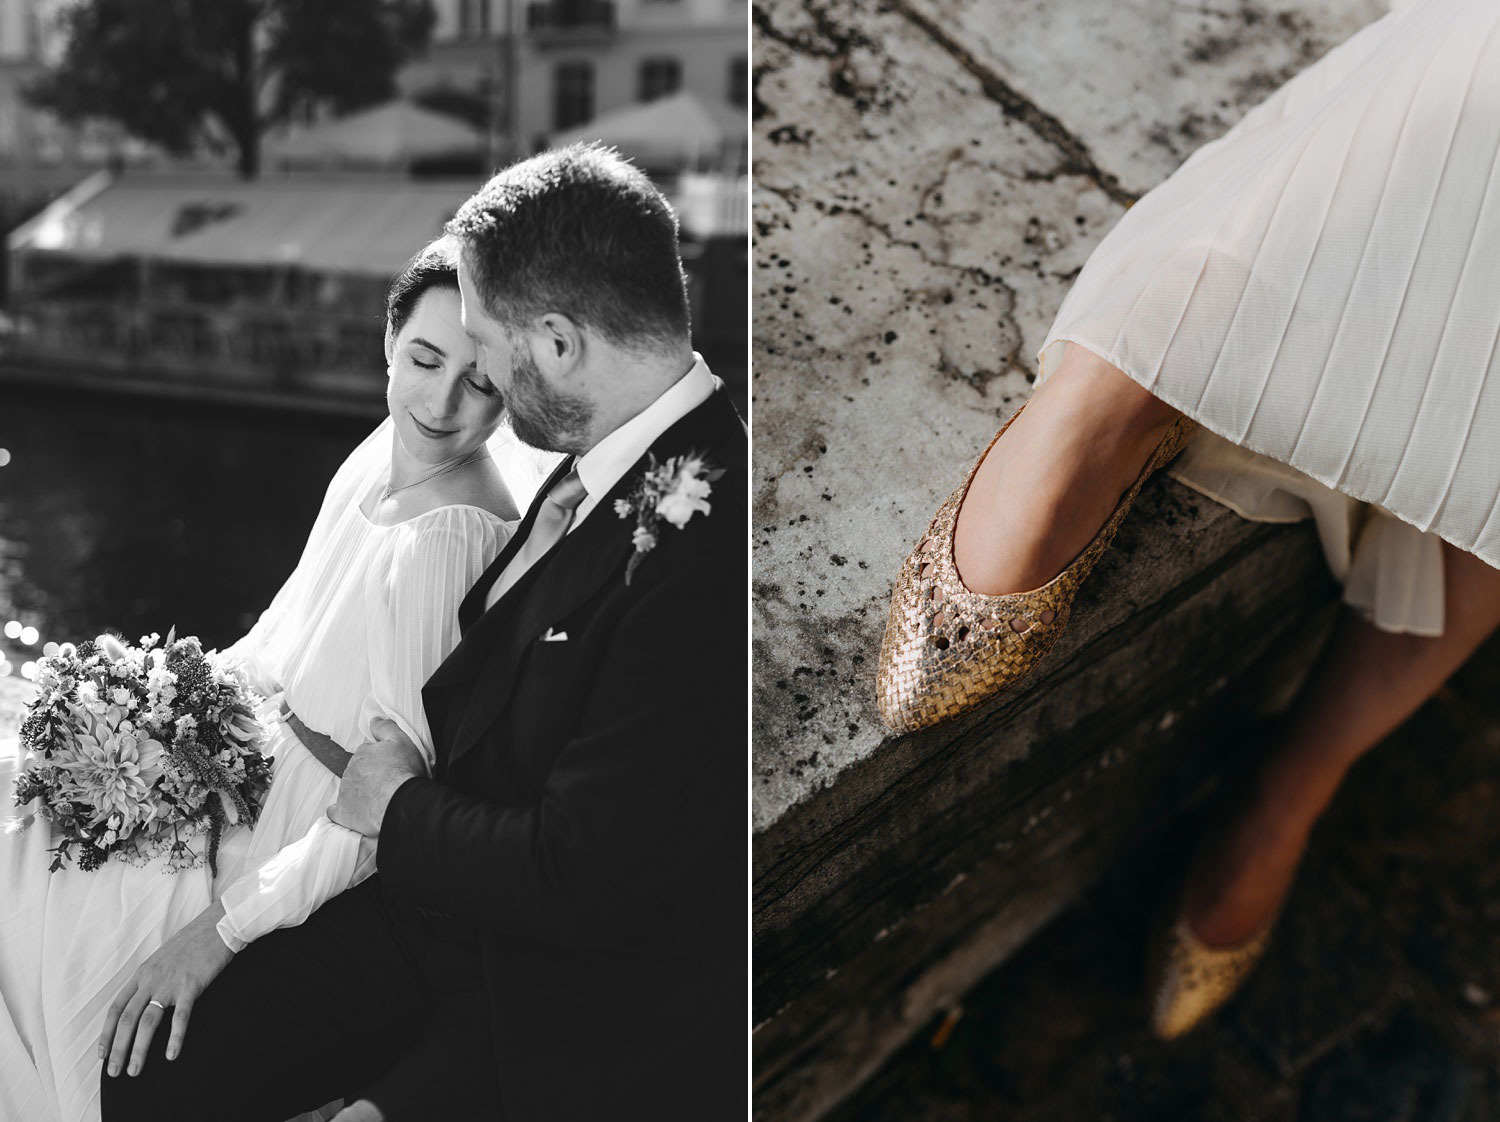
x,y
435,265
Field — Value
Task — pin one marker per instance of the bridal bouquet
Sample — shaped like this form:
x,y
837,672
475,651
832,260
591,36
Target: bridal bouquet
x,y
137,750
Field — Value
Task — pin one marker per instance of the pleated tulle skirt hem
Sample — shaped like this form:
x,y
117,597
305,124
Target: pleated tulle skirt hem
x,y
1316,289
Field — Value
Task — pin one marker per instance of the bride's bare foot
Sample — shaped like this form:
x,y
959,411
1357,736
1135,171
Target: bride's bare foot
x,y
1054,478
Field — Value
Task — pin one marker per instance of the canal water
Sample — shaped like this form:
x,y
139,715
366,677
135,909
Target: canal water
x,y
137,515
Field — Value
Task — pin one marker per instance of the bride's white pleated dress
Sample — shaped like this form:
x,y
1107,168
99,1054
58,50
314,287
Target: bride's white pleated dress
x,y
1320,289
367,616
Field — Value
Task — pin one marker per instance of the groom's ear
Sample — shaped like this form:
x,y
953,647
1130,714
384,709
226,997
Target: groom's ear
x,y
562,335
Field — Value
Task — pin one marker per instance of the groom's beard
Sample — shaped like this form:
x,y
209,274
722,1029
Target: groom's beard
x,y
541,416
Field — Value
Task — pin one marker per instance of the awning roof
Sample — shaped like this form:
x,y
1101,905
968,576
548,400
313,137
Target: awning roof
x,y
359,225
369,224
395,132
678,127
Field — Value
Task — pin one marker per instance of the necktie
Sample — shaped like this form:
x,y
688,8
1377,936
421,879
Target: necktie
x,y
552,522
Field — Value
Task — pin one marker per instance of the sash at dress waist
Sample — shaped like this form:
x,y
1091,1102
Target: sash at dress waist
x,y
323,748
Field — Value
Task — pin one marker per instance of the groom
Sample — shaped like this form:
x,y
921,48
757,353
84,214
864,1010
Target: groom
x,y
557,930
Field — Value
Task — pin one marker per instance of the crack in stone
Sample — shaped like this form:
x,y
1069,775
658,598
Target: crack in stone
x,y
836,47
838,44
1077,159
794,196
978,379
934,190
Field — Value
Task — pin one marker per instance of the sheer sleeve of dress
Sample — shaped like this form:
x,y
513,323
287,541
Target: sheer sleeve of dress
x,y
250,654
260,653
412,625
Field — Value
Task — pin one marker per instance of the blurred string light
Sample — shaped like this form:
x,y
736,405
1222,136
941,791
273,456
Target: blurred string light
x,y
29,636
4,457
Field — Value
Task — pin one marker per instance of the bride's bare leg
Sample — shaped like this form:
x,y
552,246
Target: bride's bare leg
x,y
1055,476
1367,682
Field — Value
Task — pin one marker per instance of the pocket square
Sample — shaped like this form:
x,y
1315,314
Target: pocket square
x,y
555,636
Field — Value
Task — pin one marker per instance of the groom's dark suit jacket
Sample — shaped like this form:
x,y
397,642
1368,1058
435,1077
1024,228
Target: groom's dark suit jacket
x,y
588,812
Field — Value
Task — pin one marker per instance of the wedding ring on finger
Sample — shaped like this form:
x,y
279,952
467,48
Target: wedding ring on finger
x,y
158,1004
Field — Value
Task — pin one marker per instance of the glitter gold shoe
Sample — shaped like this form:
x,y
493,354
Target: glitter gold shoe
x,y
947,649
1192,981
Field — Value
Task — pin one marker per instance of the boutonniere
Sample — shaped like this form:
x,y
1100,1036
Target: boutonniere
x,y
670,492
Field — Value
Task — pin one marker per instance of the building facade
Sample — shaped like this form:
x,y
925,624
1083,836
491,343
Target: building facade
x,y
519,70
540,66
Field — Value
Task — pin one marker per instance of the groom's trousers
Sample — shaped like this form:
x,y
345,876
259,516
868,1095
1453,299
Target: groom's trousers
x,y
367,999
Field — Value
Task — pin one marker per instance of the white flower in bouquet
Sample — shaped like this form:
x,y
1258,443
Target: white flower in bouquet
x,y
239,726
113,771
88,697
113,649
159,685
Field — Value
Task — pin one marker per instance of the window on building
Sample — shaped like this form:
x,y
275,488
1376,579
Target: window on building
x,y
572,94
739,81
659,77
473,18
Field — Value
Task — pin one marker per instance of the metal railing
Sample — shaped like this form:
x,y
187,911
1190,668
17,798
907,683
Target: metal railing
x,y
285,351
568,17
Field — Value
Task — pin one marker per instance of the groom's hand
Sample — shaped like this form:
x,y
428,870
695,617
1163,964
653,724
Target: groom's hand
x,y
373,774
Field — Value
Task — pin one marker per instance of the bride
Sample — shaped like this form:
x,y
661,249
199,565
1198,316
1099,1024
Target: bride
x,y
409,522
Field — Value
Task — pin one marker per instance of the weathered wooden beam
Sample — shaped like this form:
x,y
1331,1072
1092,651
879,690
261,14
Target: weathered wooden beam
x,y
922,865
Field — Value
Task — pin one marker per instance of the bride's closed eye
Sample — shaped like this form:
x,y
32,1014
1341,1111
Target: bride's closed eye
x,y
425,359
476,381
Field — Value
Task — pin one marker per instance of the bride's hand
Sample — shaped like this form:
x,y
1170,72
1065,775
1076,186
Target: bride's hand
x,y
172,978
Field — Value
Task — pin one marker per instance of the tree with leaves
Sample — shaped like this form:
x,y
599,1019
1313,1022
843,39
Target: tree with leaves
x,y
184,73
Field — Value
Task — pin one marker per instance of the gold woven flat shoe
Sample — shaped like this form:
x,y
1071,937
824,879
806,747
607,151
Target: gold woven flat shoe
x,y
947,649
1192,980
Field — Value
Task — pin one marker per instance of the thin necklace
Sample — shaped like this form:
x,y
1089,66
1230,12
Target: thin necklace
x,y
469,459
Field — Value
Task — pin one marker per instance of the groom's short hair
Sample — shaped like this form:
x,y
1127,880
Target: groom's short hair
x,y
580,231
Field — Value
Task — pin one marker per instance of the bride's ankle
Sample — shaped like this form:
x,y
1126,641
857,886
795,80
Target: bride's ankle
x,y
1232,881
1132,407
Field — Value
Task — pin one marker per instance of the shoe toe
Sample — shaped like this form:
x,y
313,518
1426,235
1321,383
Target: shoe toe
x,y
946,650
1194,981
